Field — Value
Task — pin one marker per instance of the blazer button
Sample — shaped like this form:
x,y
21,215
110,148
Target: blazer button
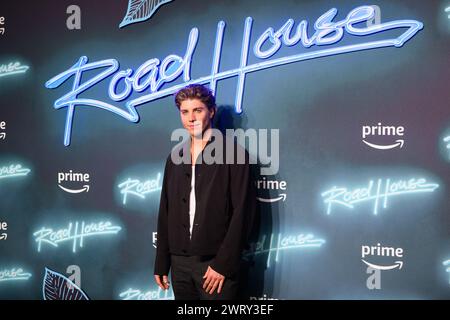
x,y
184,251
184,200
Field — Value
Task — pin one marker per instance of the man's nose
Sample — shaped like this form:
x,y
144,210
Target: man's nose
x,y
192,117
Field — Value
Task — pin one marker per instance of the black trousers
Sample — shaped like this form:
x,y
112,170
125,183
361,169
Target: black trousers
x,y
187,280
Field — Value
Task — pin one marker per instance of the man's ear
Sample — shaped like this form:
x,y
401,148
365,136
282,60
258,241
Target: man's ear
x,y
213,112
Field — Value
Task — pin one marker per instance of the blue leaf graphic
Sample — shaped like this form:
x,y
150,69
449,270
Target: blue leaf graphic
x,y
57,287
141,10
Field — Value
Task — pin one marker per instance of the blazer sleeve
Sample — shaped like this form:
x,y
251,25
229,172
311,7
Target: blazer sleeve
x,y
162,260
243,207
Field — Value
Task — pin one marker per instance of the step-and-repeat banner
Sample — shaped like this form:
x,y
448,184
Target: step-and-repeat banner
x,y
352,96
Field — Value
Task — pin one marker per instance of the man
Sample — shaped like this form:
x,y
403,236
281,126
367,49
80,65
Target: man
x,y
205,211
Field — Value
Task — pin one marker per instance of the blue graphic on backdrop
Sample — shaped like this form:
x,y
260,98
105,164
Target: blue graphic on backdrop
x,y
75,233
152,74
141,10
279,242
138,189
13,170
14,274
385,189
136,294
12,68
56,286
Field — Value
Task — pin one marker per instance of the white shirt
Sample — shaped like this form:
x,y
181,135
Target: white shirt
x,y
192,202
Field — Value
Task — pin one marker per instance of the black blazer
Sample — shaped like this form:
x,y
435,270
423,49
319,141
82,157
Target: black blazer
x,y
225,207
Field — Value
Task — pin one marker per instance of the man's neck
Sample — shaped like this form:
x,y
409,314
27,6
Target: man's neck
x,y
201,140
198,143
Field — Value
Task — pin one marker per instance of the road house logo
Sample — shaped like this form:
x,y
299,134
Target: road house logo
x,y
73,177
374,267
76,233
2,127
14,274
153,74
269,185
12,68
158,294
3,230
139,189
279,243
13,171
369,132
378,192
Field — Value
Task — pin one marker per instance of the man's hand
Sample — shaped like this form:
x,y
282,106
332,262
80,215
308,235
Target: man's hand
x,y
213,280
162,283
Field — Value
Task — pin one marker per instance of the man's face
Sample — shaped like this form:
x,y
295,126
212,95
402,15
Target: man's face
x,y
195,116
